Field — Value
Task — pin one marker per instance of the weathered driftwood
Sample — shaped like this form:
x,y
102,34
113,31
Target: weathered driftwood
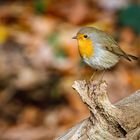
x,y
107,122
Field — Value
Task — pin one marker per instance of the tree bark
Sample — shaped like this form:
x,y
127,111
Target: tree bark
x,y
107,121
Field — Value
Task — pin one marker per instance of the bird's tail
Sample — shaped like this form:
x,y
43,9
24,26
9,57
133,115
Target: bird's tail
x,y
132,57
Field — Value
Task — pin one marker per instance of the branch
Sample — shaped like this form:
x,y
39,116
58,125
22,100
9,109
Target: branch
x,y
106,121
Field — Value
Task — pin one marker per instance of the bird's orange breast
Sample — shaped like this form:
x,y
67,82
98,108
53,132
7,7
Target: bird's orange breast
x,y
86,48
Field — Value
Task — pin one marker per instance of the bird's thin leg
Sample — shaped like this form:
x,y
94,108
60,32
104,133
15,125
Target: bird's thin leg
x,y
102,75
93,75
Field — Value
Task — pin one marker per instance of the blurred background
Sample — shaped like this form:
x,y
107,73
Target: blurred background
x,y
39,62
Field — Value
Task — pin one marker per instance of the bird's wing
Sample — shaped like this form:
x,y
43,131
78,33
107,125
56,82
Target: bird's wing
x,y
118,51
111,45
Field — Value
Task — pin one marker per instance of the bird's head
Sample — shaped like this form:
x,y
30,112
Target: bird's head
x,y
85,41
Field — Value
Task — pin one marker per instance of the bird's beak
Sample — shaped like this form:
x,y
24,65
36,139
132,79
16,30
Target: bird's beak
x,y
74,37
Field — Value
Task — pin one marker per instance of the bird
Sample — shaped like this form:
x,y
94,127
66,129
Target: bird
x,y
99,50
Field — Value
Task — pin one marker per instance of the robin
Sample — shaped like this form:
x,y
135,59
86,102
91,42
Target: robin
x,y
98,49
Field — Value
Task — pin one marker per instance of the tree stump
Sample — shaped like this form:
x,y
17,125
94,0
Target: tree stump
x,y
107,121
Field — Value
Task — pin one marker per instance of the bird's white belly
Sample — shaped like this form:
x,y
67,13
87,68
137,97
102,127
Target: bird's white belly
x,y
102,59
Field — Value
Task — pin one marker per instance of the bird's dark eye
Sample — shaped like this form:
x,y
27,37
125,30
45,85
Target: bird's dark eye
x,y
85,36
